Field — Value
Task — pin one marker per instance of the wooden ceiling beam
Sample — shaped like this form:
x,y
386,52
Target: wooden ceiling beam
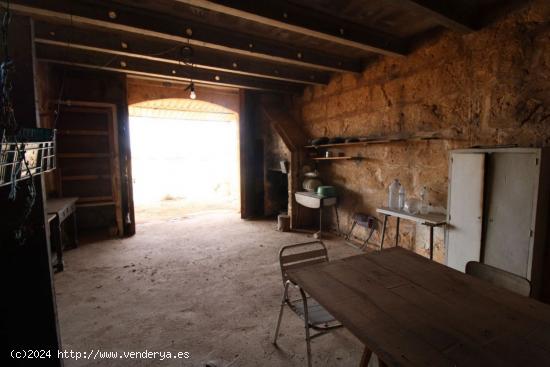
x,y
307,22
150,68
117,17
125,44
455,15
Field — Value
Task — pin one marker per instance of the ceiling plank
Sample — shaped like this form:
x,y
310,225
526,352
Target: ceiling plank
x,y
455,15
144,67
308,22
170,52
132,20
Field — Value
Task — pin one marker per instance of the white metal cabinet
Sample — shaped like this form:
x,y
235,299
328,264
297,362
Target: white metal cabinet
x,y
498,206
465,209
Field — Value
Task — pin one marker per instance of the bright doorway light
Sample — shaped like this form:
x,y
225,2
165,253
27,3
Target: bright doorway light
x,y
181,166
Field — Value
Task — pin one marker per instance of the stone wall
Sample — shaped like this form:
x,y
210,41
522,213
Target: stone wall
x,y
490,87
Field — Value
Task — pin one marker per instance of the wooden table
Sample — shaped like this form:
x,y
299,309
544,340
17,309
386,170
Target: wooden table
x,y
431,220
411,311
61,209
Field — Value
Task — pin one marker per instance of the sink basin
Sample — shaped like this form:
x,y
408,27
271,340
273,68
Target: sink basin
x,y
313,200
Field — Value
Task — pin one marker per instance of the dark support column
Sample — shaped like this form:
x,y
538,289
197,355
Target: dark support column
x,y
251,156
28,310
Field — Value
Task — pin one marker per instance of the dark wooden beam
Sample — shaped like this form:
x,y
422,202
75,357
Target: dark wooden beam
x,y
455,15
127,44
122,18
144,67
294,18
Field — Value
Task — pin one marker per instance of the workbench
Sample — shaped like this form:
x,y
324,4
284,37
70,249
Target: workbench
x,y
59,210
431,220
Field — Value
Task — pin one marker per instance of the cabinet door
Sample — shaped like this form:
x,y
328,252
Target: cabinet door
x,y
511,179
465,208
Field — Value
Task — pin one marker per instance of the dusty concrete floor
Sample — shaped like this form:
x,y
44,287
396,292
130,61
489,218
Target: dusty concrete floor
x,y
207,284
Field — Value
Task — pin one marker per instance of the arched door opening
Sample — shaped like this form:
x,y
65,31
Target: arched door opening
x,y
185,158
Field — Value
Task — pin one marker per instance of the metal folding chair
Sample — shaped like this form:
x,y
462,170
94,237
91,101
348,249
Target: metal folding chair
x,y
362,220
499,278
314,315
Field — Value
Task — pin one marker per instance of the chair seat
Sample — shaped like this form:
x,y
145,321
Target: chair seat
x,y
317,315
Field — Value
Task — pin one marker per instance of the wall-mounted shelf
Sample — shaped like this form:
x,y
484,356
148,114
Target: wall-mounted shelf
x,y
344,158
382,139
83,155
83,132
354,144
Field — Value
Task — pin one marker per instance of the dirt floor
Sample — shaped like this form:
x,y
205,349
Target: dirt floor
x,y
206,284
174,208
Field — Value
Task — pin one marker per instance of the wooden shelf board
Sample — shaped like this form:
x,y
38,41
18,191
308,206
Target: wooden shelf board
x,y
381,140
355,144
83,132
91,204
95,199
86,177
83,155
338,158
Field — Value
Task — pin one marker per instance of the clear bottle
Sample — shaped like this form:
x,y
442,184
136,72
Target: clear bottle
x,y
424,200
393,194
401,200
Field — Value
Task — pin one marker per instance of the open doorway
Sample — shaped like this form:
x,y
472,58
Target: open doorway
x,y
185,158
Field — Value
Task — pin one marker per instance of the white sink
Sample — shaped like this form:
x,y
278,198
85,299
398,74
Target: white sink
x,y
312,200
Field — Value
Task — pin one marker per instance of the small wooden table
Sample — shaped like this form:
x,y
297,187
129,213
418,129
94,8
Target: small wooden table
x,y
411,311
61,209
431,220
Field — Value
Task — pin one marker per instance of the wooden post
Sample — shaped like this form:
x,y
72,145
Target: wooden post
x,y
29,316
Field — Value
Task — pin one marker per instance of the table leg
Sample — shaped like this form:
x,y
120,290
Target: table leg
x,y
431,242
337,220
397,232
383,232
318,234
56,239
75,231
351,230
365,359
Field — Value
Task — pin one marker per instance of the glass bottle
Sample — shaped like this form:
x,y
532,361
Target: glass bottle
x,y
401,201
393,194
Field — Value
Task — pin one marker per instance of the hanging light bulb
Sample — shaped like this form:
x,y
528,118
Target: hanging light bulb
x,y
192,94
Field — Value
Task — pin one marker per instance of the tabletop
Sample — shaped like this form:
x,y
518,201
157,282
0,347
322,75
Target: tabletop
x,y
57,204
411,311
435,219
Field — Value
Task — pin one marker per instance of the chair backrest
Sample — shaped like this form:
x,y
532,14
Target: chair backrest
x,y
301,254
499,277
